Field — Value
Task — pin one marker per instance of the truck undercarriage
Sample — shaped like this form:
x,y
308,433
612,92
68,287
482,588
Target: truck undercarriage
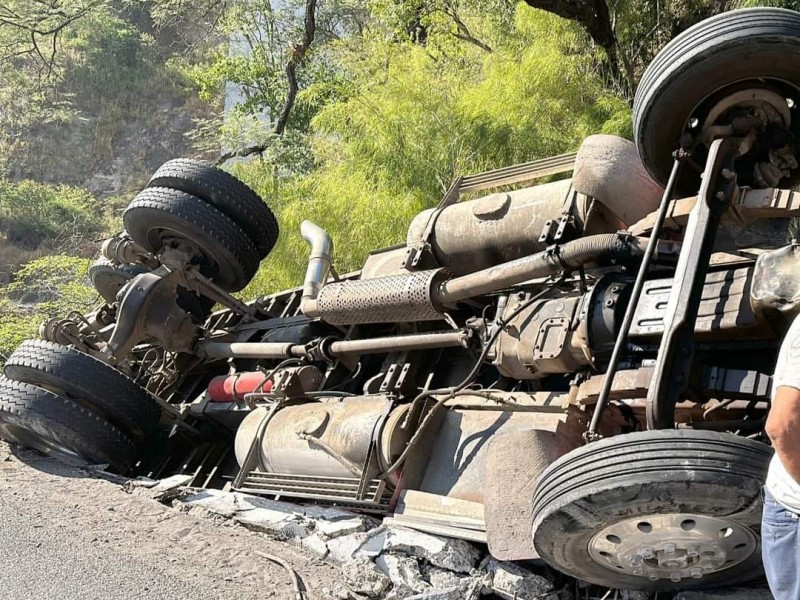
x,y
577,371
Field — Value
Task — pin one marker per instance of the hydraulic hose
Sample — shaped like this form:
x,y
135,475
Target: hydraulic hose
x,y
608,248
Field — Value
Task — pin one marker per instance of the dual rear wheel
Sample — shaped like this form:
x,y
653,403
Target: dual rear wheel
x,y
70,405
227,226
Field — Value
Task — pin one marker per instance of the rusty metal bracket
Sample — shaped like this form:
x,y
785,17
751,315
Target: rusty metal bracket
x,y
149,309
417,255
622,337
676,353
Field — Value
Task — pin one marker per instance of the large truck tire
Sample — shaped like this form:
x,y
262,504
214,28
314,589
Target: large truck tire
x,y
224,254
225,193
654,510
89,382
757,48
59,427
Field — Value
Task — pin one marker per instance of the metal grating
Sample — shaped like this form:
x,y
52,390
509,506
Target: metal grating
x,y
339,490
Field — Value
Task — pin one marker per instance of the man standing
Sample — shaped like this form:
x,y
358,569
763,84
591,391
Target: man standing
x,y
780,525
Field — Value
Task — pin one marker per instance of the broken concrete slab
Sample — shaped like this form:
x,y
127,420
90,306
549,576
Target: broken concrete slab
x,y
274,523
342,592
364,577
453,593
314,544
281,519
214,501
444,579
448,553
170,483
345,547
344,526
278,519
403,571
139,482
511,581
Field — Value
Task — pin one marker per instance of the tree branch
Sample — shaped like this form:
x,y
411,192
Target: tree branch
x,y
297,57
592,15
465,34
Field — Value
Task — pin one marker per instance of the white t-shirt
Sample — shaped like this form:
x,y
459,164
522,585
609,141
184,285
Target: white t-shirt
x,y
780,483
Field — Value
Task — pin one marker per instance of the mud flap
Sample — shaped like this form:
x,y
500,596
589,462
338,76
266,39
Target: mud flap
x,y
514,462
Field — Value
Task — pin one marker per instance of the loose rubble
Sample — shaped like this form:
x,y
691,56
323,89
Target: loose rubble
x,y
387,562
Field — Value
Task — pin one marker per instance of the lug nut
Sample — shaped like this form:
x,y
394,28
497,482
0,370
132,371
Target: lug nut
x,y
675,576
697,573
635,559
646,552
638,571
669,549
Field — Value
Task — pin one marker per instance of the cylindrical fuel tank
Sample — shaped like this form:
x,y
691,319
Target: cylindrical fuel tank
x,y
329,438
477,234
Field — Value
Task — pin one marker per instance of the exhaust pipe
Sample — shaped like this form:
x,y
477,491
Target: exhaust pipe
x,y
319,266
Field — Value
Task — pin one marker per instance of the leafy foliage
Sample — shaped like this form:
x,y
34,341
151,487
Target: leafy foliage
x,y
407,119
35,214
47,286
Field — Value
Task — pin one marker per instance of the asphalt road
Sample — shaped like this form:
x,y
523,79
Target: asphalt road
x,y
66,534
40,558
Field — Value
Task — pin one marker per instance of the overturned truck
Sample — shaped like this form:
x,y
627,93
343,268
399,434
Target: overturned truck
x,y
577,371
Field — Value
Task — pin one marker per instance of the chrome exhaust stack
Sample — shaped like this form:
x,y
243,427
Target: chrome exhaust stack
x,y
319,266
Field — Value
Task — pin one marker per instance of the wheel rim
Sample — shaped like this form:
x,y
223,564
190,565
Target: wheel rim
x,y
767,102
43,444
672,546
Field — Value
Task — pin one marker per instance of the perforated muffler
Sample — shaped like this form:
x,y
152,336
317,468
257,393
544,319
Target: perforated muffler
x,y
398,298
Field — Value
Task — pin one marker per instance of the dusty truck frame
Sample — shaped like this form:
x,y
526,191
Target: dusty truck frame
x,y
577,371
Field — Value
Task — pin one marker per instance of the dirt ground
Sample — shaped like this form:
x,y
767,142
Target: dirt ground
x,y
66,534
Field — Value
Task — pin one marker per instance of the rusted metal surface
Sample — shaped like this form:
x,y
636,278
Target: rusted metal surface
x,y
276,350
510,484
770,203
724,309
677,350
540,340
530,171
397,298
775,289
477,234
457,464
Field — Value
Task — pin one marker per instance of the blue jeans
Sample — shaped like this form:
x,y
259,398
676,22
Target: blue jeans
x,y
780,549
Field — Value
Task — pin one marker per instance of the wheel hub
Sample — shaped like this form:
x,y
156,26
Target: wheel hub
x,y
673,546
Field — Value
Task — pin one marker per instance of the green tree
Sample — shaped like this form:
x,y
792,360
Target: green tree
x,y
407,118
